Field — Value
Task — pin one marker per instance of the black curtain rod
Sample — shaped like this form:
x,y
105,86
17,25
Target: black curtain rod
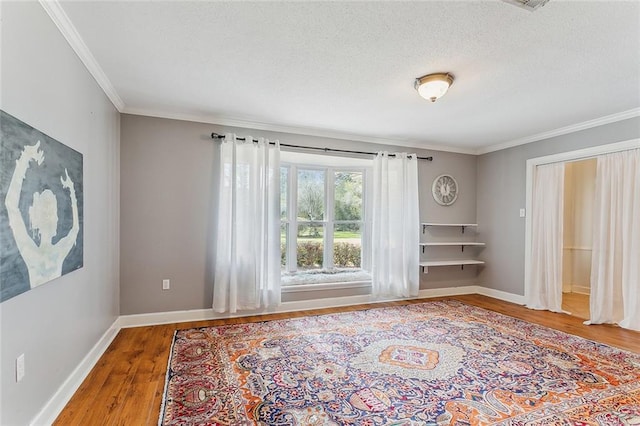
x,y
217,136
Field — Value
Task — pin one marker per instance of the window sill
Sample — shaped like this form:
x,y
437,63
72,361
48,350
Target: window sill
x,y
300,288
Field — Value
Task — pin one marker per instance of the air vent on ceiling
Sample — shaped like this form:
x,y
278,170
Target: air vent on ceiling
x,y
530,5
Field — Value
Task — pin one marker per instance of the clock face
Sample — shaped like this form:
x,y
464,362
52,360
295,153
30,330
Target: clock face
x,y
445,190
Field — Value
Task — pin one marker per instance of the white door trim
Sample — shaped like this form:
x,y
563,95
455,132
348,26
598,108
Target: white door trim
x,y
532,163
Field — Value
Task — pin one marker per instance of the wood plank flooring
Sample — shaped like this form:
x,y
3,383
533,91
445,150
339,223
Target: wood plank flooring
x,y
577,304
125,387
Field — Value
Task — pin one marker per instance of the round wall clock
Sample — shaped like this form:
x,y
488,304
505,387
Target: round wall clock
x,y
445,190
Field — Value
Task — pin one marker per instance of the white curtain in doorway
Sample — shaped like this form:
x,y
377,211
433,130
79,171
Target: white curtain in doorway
x,y
545,289
395,226
615,263
247,262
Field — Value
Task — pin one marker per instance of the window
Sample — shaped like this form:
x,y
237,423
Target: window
x,y
324,232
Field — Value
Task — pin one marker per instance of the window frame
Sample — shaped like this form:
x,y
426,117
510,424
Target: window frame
x,y
295,162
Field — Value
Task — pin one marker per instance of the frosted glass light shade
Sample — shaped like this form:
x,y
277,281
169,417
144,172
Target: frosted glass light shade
x,y
433,86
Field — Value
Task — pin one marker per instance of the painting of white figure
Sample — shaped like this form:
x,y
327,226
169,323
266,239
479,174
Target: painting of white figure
x,y
41,220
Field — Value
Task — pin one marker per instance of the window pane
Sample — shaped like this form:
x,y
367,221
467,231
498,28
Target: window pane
x,y
348,205
310,246
347,245
284,192
311,194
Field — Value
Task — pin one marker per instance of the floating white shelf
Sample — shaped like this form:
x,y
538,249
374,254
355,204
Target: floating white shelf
x,y
452,243
448,224
461,225
454,262
461,262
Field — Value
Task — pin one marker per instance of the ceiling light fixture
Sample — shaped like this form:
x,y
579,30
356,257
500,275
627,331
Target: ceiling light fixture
x,y
530,5
433,86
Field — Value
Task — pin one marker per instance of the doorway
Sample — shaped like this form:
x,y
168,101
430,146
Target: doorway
x,y
579,197
574,279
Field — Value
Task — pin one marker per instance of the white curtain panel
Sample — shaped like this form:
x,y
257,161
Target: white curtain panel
x,y
615,262
247,263
545,289
395,226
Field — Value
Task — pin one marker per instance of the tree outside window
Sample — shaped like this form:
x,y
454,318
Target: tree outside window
x,y
328,222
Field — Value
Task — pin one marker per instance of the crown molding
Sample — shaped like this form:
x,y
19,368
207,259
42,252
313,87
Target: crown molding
x,y
624,115
68,30
306,131
70,33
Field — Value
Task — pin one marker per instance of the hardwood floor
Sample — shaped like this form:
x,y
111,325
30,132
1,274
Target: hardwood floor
x,y
577,304
126,385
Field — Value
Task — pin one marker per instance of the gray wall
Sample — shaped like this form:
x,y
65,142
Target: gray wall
x,y
501,193
55,325
168,205
463,169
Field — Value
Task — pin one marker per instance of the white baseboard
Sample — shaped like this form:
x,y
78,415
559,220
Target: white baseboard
x,y
157,318
450,291
581,289
54,406
499,294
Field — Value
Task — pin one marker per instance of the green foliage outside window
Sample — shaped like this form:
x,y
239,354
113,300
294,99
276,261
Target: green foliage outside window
x,y
310,255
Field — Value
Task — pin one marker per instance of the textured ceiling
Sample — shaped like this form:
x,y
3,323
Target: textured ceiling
x,y
349,67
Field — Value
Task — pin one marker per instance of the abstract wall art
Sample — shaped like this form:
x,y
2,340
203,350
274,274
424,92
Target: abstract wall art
x,y
41,208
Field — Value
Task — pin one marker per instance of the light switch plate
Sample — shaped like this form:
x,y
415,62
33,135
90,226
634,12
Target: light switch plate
x,y
20,370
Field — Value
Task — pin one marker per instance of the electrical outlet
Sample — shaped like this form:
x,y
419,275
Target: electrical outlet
x,y
522,213
20,371
166,284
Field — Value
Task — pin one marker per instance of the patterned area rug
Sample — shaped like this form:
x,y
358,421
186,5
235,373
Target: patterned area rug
x,y
436,363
